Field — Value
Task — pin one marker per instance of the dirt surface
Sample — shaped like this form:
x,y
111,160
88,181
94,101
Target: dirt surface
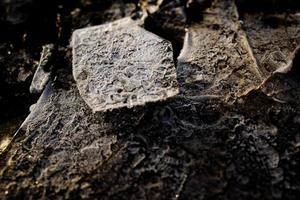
x,y
233,131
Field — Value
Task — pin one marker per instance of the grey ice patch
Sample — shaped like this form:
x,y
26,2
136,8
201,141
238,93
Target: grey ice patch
x,y
121,64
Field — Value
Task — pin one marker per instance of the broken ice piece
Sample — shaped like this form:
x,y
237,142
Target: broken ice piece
x,y
121,64
42,75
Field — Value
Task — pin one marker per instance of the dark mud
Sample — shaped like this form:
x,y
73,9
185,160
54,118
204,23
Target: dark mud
x,y
232,133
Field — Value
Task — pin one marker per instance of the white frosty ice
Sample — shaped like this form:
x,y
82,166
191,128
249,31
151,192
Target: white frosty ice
x,y
121,64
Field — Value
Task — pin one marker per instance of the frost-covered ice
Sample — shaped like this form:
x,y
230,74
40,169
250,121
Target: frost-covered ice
x,y
121,64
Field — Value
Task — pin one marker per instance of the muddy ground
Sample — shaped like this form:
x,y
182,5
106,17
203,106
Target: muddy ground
x,y
233,131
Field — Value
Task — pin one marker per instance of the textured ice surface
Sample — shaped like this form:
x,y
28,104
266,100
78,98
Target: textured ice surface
x,y
121,64
216,60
